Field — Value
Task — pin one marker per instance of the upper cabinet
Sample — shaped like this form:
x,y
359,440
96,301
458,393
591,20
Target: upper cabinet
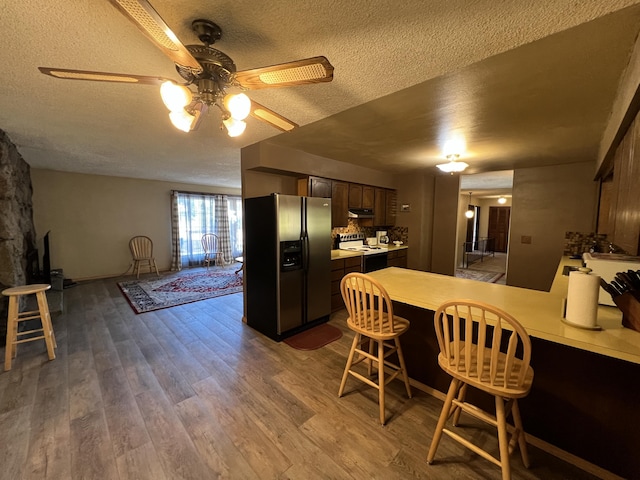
x,y
361,196
346,195
339,204
314,187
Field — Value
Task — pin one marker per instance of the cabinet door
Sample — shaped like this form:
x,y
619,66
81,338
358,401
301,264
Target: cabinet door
x,y
390,210
339,204
380,207
368,196
355,195
319,187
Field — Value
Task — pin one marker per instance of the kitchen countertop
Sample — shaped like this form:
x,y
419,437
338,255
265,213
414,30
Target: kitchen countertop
x,y
336,254
539,312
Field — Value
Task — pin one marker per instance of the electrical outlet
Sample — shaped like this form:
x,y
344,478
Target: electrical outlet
x,y
525,239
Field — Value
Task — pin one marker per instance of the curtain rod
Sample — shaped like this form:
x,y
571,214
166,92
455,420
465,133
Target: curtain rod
x,y
204,193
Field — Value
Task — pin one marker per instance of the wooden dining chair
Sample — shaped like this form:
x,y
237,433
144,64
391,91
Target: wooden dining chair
x,y
483,347
211,247
142,253
371,318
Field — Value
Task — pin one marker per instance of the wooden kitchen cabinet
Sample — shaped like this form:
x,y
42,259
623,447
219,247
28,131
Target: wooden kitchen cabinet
x,y
384,209
368,196
314,187
339,204
339,268
361,196
397,258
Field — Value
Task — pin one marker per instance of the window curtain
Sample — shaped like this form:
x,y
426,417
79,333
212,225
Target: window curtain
x,y
195,214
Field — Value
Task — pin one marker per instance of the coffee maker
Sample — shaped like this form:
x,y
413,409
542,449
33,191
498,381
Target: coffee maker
x,y
381,237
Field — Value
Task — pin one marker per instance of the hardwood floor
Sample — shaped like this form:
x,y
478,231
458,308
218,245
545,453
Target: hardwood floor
x,y
191,392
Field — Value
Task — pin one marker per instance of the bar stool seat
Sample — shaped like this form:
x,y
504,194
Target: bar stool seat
x,y
15,316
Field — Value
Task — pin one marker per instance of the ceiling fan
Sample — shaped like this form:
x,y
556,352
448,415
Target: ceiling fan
x,y
209,70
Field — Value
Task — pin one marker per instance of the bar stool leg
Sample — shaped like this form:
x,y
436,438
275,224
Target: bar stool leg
x,y
12,333
47,328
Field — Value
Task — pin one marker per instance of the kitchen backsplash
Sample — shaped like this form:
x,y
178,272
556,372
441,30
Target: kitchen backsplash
x,y
394,233
577,242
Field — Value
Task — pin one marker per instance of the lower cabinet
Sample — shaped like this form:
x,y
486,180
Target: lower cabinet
x,y
339,268
397,258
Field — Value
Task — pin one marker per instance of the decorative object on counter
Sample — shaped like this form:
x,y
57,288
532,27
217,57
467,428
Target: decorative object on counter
x,y
582,299
397,243
371,318
177,289
314,338
502,371
625,292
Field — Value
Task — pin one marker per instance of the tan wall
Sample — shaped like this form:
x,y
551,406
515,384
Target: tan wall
x,y
92,218
547,202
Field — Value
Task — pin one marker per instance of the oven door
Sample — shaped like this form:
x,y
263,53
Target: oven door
x,y
377,261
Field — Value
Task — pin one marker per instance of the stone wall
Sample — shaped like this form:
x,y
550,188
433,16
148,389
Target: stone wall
x,y
18,250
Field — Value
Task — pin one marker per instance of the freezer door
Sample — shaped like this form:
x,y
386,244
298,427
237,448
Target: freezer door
x,y
317,257
289,212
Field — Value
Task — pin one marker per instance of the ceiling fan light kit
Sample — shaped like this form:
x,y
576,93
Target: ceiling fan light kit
x,y
211,71
453,166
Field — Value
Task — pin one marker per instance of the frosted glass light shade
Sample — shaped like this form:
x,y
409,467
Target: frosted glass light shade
x,y
502,200
469,214
452,167
238,105
234,127
182,120
175,97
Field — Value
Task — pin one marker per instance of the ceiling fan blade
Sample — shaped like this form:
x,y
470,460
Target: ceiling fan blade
x,y
147,19
300,72
272,118
66,74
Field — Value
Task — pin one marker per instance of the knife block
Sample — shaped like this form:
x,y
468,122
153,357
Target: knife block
x,y
630,308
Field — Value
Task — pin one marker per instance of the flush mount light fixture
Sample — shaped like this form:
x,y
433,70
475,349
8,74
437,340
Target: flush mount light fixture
x,y
470,210
502,200
453,166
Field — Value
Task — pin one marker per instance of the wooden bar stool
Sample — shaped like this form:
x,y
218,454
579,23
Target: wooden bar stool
x,y
16,316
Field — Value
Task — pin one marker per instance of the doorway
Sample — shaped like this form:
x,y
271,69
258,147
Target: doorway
x,y
498,228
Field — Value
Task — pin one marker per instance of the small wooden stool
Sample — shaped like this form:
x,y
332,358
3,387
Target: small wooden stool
x,y
16,316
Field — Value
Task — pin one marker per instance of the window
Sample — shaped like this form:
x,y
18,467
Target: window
x,y
195,214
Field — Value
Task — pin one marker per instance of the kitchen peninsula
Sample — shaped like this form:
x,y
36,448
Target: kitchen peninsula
x,y
585,394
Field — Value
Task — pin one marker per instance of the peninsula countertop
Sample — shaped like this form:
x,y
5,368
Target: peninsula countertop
x,y
539,312
336,254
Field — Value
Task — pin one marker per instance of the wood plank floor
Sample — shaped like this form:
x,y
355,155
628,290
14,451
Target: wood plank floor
x,y
191,392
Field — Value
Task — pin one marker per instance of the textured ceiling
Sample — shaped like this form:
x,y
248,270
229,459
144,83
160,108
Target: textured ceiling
x,y
526,83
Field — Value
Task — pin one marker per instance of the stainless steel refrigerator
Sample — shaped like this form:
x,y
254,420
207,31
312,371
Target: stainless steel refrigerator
x,y
287,263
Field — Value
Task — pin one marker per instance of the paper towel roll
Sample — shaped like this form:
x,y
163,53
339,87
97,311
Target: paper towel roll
x,y
582,299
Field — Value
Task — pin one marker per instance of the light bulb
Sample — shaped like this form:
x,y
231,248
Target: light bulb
x,y
238,105
175,97
469,214
182,120
502,200
234,127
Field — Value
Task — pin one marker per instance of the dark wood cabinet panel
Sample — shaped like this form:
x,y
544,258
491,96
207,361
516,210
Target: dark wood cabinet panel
x,y
380,207
314,187
339,204
397,258
368,196
355,195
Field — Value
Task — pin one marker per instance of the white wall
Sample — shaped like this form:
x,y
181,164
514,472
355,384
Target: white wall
x,y
92,218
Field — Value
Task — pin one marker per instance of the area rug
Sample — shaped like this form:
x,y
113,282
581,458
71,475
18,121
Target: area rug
x,y
177,289
314,338
478,275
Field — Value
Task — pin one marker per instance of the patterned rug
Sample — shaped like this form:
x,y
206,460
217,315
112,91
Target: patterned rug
x,y
314,338
480,276
154,293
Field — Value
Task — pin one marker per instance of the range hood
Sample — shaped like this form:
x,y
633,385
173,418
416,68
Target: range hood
x,y
360,213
